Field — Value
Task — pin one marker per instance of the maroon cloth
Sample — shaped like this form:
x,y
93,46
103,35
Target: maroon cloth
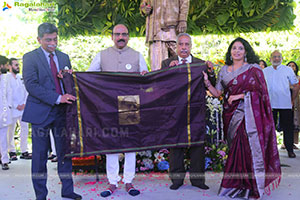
x,y
54,74
163,110
240,159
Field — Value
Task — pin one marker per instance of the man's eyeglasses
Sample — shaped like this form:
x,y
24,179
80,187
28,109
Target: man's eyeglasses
x,y
276,57
118,34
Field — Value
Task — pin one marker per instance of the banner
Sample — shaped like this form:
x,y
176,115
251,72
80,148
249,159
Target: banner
x,y
123,112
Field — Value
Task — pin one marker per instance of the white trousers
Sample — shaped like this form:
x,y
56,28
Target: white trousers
x,y
52,143
23,135
3,145
112,168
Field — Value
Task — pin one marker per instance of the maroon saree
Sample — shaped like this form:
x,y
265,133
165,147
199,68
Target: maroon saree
x,y
253,166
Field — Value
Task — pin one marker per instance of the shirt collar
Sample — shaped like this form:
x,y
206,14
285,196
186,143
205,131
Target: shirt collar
x,y
47,53
188,59
278,67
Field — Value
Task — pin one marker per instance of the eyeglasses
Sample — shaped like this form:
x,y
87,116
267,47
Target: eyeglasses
x,y
118,34
276,56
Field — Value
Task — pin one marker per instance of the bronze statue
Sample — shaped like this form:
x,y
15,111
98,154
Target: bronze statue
x,y
164,19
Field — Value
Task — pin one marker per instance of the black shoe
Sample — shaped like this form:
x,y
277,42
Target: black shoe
x,y
5,166
109,190
175,186
72,196
26,156
291,155
201,186
131,190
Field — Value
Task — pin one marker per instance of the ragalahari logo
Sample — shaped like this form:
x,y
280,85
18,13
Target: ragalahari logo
x,y
6,6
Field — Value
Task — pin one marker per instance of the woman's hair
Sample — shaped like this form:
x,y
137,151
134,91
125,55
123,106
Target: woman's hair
x,y
250,55
265,64
297,68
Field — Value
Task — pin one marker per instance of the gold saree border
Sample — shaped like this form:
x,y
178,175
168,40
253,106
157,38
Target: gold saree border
x,y
189,104
78,114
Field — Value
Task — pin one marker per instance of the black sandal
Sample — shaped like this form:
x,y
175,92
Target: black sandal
x,y
13,156
26,155
5,166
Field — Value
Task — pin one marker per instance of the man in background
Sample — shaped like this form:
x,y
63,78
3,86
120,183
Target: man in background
x,y
5,111
279,78
19,95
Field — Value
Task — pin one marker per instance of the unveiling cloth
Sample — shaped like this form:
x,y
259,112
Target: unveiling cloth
x,y
123,112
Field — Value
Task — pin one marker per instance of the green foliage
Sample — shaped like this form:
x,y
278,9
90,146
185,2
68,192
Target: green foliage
x,y
92,17
226,16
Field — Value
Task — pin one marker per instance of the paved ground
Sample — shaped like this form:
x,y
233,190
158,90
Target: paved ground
x,y
15,184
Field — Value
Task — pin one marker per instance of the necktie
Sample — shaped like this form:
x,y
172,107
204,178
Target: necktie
x,y
54,73
183,60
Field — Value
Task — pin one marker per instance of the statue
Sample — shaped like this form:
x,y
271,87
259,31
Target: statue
x,y
164,19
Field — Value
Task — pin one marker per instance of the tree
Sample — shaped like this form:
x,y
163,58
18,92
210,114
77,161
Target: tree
x,y
91,17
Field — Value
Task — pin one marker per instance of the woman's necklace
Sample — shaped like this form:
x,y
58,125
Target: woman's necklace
x,y
234,77
233,74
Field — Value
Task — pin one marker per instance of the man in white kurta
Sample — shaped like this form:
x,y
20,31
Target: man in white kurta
x,y
5,111
19,98
279,78
119,58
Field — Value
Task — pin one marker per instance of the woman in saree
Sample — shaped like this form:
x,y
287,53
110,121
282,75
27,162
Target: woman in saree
x,y
253,167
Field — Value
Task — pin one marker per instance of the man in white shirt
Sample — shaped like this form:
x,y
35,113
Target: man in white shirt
x,y
279,78
5,111
119,58
19,98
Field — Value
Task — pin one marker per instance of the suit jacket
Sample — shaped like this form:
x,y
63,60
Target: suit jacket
x,y
39,83
165,64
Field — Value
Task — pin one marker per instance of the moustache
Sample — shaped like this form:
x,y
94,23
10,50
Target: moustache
x,y
52,46
121,40
183,51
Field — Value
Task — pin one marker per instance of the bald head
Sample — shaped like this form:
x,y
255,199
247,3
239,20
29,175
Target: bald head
x,y
120,36
276,58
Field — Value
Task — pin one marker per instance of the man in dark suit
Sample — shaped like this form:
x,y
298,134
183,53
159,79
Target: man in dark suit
x,y
45,110
197,154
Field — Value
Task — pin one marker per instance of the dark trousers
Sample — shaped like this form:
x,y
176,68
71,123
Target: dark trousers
x,y
40,146
286,124
197,165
